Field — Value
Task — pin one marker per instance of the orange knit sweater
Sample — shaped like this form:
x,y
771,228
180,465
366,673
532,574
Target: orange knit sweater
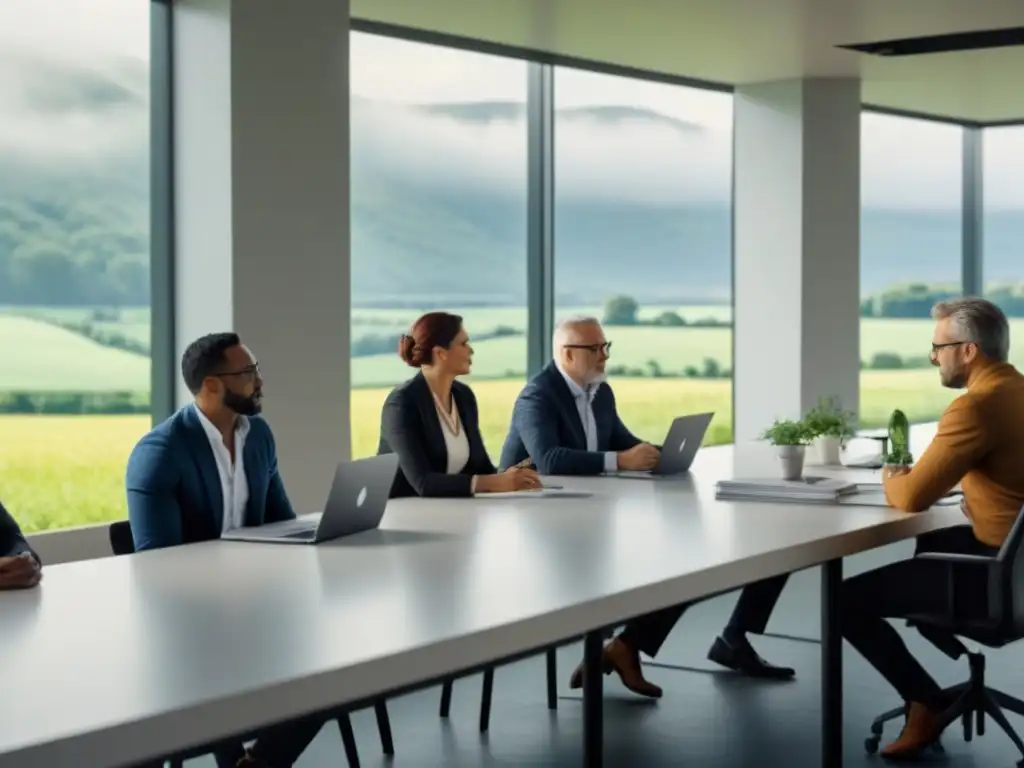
x,y
979,444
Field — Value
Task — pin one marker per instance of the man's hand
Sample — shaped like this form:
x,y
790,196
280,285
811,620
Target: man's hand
x,y
640,457
19,572
894,470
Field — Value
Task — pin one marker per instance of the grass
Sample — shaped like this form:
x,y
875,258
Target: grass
x,y
41,356
61,471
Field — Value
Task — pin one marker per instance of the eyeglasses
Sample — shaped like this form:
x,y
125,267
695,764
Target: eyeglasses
x,y
249,371
937,347
603,348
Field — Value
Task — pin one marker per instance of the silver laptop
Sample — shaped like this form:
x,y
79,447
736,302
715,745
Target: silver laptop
x,y
677,452
359,494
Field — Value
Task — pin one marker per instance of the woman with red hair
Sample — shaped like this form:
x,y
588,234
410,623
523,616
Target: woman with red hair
x,y
432,421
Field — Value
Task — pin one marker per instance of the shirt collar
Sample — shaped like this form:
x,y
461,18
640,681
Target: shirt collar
x,y
241,425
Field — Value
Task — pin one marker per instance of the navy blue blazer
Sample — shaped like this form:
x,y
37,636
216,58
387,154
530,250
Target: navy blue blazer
x,y
12,541
546,427
174,491
410,427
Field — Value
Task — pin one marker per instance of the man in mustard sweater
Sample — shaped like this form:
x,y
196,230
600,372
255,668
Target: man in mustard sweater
x,y
979,444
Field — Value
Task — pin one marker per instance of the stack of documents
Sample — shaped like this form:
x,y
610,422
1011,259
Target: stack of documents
x,y
811,490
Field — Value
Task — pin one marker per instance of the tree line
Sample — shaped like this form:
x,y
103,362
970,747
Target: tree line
x,y
915,300
68,249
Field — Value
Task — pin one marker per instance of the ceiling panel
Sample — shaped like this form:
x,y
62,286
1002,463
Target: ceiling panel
x,y
745,41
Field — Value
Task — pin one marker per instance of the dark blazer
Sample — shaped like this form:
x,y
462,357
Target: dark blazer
x,y
12,541
411,428
546,427
174,492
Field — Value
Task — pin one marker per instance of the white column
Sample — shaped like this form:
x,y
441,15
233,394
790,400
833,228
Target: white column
x,y
797,249
262,211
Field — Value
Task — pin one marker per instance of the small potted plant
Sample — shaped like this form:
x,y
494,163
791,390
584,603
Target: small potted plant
x,y
898,458
790,438
829,426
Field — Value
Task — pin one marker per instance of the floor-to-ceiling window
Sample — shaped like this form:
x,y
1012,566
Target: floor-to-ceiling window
x,y
643,240
74,255
438,148
911,245
1003,228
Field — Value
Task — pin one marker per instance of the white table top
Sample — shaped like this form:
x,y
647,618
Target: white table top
x,y
120,659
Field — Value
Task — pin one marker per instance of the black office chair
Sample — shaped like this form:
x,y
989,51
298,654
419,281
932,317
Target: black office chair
x,y
551,663
122,543
1003,624
487,691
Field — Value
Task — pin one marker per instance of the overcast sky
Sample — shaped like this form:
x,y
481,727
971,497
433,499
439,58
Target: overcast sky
x,y
905,162
77,28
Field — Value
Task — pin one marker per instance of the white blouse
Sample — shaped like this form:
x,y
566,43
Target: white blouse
x,y
455,440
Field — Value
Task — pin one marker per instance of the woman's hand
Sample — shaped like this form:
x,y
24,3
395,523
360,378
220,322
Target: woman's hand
x,y
514,479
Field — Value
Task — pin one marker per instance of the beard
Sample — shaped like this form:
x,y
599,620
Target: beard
x,y
954,380
244,405
595,378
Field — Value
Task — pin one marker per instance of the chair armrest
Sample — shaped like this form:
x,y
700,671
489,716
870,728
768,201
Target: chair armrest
x,y
954,558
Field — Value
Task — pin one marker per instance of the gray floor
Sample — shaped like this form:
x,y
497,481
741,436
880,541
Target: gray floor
x,y
708,719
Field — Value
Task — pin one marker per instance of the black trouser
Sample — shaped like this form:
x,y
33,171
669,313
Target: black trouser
x,y
647,633
905,588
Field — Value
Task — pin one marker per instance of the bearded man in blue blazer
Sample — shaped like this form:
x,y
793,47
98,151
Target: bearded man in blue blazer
x,y
210,468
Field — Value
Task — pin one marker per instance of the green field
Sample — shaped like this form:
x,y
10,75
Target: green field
x,y
68,470
62,471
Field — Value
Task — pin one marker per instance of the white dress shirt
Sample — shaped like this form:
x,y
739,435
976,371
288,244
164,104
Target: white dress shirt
x,y
585,407
234,485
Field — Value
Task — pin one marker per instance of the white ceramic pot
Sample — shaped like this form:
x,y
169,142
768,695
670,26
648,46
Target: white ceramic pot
x,y
827,450
792,459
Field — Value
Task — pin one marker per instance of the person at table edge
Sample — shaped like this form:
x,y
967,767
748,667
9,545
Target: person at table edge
x,y
20,566
979,443
566,420
432,421
209,468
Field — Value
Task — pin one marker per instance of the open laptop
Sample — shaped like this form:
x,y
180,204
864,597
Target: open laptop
x,y
359,494
677,452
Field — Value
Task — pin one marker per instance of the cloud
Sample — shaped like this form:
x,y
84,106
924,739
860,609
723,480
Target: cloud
x,y
76,30
57,112
636,158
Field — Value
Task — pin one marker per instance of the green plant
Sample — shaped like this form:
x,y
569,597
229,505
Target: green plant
x,y
787,432
828,419
899,440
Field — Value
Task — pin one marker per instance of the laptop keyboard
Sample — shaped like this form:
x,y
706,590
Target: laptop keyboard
x,y
308,533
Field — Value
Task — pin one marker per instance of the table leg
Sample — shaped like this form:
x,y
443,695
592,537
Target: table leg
x,y
593,700
831,665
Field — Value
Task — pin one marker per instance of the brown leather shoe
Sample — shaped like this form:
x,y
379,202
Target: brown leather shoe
x,y
625,662
249,762
922,728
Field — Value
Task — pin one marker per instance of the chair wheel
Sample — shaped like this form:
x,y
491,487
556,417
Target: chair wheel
x,y
871,744
876,728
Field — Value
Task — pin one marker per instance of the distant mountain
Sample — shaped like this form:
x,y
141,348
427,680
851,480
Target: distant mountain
x,y
438,201
485,112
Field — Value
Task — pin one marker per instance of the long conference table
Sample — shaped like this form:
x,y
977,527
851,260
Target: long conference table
x,y
119,660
